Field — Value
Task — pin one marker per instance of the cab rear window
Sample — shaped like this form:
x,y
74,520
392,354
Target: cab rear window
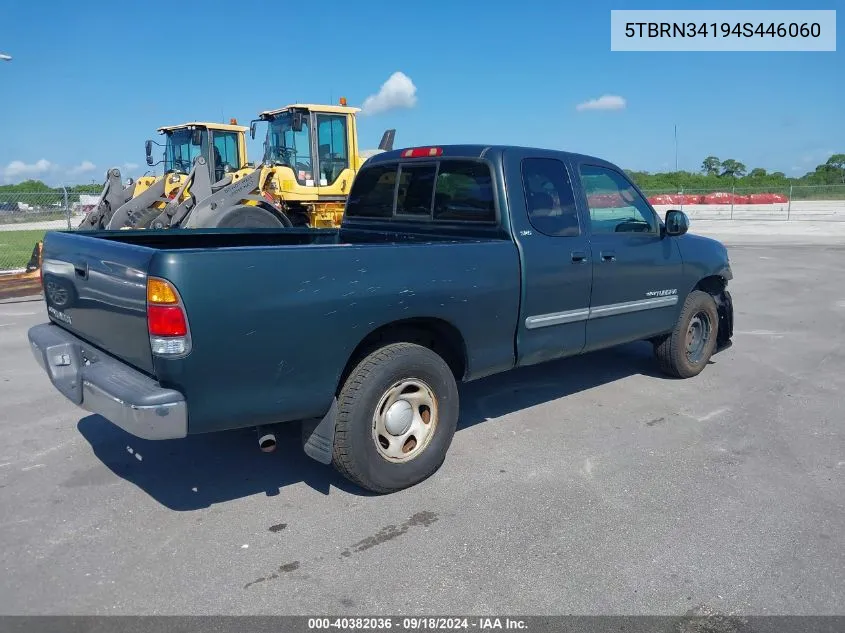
x,y
444,190
372,192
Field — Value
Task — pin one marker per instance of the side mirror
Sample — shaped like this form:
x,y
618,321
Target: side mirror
x,y
148,146
677,222
296,122
252,128
196,137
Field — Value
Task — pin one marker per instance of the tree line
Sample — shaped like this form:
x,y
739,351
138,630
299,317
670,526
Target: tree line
x,y
716,173
36,186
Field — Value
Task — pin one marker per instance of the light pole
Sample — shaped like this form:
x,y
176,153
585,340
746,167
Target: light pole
x,y
676,148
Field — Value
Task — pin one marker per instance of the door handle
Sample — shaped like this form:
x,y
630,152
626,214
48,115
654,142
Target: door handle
x,y
608,256
579,256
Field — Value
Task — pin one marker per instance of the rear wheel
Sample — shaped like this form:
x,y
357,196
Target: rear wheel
x,y
397,413
246,216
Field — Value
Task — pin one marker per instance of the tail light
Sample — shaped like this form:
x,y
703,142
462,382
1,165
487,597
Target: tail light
x,y
167,322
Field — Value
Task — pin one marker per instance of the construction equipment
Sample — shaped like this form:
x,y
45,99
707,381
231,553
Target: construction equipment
x,y
137,203
26,282
311,156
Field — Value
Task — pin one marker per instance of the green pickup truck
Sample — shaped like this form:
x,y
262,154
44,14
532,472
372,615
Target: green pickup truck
x,y
452,263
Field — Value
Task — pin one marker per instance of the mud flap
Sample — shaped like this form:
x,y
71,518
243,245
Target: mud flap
x,y
725,309
318,435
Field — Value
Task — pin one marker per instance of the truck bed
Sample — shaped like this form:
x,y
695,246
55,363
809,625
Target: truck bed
x,y
181,239
285,308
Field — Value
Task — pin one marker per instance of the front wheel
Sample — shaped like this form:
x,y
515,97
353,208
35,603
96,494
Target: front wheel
x,y
687,349
396,416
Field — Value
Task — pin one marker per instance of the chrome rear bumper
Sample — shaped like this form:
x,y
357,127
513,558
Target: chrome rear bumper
x,y
108,387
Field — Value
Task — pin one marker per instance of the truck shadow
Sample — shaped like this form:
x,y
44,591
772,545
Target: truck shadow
x,y
199,471
526,387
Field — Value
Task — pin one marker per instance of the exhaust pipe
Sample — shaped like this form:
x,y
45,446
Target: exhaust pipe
x,y
266,441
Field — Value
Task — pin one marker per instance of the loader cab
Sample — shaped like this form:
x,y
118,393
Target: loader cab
x,y
317,143
222,146
182,146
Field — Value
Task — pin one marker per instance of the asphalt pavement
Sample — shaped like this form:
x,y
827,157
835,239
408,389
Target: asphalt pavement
x,y
591,485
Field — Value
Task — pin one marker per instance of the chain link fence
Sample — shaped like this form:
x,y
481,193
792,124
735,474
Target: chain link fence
x,y
26,216
824,203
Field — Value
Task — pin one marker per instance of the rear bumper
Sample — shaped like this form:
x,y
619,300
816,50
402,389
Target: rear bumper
x,y
103,385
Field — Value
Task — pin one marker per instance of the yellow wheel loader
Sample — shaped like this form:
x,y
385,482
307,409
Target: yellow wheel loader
x,y
136,204
311,156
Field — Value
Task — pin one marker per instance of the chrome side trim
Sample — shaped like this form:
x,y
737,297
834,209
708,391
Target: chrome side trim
x,y
557,318
632,306
612,309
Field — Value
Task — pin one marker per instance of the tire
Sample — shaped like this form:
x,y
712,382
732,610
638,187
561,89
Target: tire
x,y
376,459
246,216
699,314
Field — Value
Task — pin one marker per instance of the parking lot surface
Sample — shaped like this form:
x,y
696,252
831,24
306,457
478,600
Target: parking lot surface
x,y
591,485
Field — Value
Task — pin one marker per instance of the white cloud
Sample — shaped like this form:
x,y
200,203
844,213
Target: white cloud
x,y
82,168
52,173
19,170
605,102
397,92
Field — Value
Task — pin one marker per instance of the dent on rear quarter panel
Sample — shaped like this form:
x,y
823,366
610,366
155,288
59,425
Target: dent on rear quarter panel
x,y
272,328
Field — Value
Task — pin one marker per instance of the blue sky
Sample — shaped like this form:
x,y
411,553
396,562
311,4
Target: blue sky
x,y
90,81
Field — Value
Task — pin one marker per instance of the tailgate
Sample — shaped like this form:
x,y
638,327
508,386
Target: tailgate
x,y
96,288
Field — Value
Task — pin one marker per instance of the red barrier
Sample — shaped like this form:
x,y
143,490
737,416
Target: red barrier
x,y
605,200
720,197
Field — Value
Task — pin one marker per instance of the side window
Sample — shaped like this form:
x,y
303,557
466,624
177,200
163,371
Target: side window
x,y
226,150
416,185
464,192
372,191
549,197
331,146
615,206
